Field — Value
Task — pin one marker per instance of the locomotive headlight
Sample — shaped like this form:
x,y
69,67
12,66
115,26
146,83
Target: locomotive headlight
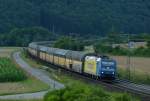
x,y
113,73
102,72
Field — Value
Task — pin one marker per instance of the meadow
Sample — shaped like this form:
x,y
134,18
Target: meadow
x,y
13,80
139,68
23,100
9,72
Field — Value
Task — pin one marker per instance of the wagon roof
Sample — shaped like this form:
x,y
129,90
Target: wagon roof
x,y
56,51
32,45
42,48
60,52
66,53
76,55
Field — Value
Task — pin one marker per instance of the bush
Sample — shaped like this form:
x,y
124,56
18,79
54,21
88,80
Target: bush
x,y
106,49
69,43
141,51
9,72
124,97
82,92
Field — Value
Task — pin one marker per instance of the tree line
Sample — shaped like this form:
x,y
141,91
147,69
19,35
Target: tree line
x,y
77,16
23,36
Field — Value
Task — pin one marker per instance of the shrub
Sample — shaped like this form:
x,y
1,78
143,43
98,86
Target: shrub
x,y
83,92
9,72
69,43
124,97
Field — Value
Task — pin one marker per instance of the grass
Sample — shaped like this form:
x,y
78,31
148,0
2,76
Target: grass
x,y
135,76
9,72
7,51
30,61
139,69
27,86
23,100
30,84
140,64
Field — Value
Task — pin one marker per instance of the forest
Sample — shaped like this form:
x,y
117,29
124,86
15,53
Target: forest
x,y
82,17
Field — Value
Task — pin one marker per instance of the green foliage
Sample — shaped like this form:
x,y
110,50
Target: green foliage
x,y
99,48
103,48
113,36
23,36
135,76
148,44
80,16
107,49
69,43
9,72
84,92
124,97
141,51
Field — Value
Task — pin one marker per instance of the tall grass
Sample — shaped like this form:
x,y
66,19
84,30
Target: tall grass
x,y
136,76
9,72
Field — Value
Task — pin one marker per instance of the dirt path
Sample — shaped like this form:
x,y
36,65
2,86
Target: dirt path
x,y
36,73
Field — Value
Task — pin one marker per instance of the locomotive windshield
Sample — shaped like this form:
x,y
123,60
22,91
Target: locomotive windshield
x,y
108,64
108,68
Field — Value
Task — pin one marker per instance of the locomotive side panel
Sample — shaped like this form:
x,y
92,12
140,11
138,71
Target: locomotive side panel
x,y
90,66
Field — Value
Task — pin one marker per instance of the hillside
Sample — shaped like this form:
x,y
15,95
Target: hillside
x,y
77,16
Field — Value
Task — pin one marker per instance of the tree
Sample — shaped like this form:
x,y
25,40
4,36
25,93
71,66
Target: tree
x,y
113,36
23,36
68,43
148,44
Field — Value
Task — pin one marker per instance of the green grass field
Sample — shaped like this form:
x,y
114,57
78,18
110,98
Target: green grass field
x,y
11,72
23,100
135,76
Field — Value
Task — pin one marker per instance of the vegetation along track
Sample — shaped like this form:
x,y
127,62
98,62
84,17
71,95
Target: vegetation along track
x,y
140,90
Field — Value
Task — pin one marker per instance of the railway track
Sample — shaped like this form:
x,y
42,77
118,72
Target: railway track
x,y
139,90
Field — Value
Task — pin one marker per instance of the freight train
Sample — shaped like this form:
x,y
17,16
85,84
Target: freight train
x,y
100,67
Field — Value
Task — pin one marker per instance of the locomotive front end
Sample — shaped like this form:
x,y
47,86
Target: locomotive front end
x,y
108,69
